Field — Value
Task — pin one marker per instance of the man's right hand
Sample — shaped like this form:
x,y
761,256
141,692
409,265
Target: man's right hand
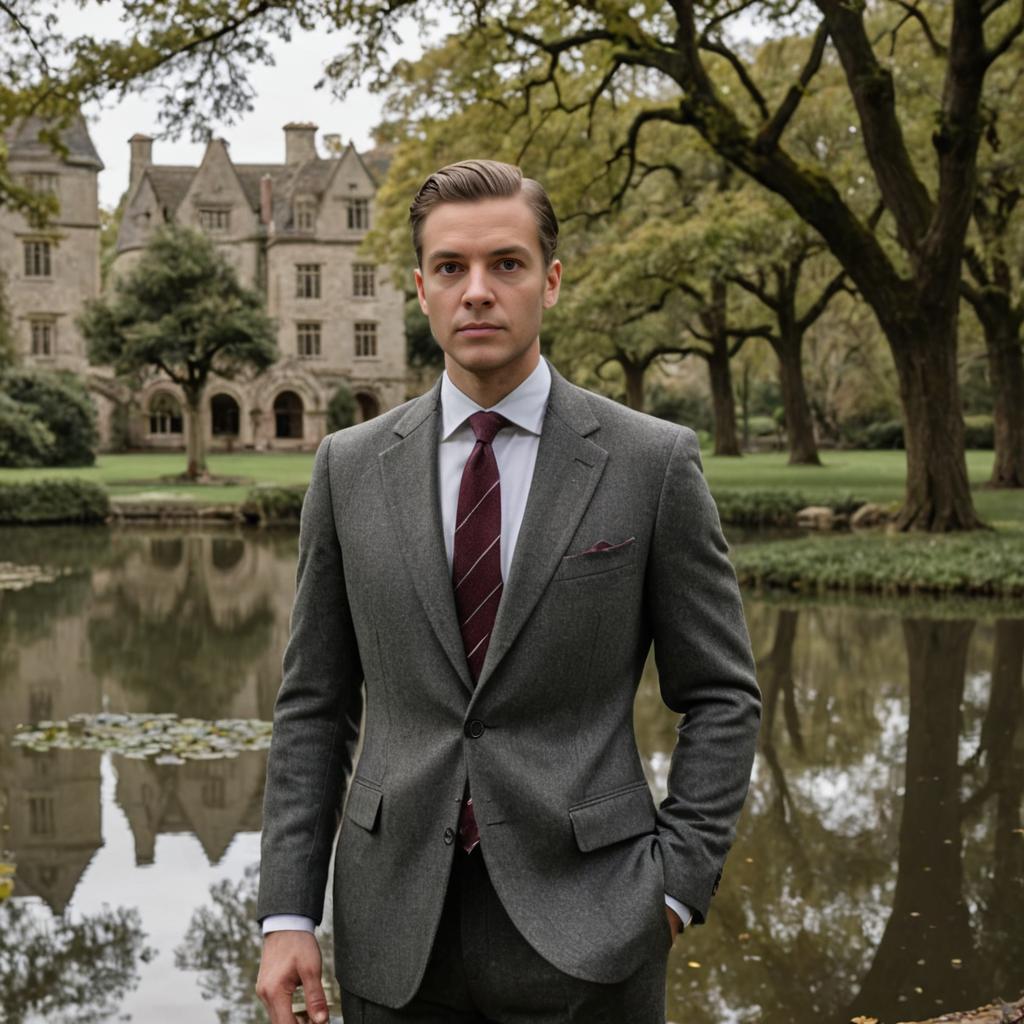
x,y
291,959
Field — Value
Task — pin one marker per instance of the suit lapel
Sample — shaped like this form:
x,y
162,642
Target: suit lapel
x,y
411,488
566,472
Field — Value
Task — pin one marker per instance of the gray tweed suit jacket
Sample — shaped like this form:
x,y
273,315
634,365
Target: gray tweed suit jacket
x,y
574,845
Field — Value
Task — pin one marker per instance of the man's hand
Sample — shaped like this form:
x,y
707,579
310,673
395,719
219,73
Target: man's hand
x,y
291,959
674,923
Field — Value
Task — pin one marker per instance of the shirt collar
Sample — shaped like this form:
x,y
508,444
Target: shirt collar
x,y
524,407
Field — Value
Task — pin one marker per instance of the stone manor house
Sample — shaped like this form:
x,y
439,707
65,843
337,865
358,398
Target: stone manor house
x,y
291,229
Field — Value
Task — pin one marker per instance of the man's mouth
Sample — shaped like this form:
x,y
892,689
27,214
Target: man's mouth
x,y
478,330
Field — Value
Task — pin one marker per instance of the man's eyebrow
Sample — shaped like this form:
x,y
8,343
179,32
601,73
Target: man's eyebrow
x,y
452,254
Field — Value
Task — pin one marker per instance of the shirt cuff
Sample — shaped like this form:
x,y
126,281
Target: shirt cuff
x,y
287,923
684,912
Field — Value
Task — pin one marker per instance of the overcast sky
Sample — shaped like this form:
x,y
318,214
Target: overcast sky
x,y
283,93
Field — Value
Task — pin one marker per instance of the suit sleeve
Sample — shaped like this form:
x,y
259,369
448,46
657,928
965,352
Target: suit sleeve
x,y
706,672
316,717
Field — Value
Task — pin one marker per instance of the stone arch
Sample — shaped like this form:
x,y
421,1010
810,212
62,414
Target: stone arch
x,y
289,413
225,415
165,413
368,404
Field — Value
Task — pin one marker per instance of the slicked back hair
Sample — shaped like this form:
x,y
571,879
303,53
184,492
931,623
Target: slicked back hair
x,y
472,180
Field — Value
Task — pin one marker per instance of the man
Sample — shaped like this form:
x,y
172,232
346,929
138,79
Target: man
x,y
493,559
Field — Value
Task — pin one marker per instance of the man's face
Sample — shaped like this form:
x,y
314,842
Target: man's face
x,y
484,286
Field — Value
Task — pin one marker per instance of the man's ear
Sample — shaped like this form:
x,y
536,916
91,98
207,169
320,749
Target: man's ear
x,y
553,283
420,294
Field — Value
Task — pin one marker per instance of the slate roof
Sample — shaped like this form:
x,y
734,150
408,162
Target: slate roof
x,y
23,140
170,183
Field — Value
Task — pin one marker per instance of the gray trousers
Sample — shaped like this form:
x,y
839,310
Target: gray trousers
x,y
482,971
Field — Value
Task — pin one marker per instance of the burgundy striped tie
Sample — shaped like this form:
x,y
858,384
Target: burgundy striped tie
x,y
476,563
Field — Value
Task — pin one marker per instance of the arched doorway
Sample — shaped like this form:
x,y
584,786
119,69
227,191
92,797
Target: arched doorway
x,y
164,414
224,416
368,406
288,415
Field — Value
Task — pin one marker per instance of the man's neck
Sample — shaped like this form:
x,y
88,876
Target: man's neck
x,y
487,391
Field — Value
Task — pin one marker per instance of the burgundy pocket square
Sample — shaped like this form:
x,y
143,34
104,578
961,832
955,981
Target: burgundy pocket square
x,y
604,545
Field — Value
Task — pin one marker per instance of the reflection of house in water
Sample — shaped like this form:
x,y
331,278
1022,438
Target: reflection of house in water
x,y
216,606
52,799
213,800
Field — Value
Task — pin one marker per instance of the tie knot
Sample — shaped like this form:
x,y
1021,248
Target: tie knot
x,y
486,424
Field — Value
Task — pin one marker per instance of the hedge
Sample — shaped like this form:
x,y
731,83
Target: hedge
x,y
274,506
775,507
53,501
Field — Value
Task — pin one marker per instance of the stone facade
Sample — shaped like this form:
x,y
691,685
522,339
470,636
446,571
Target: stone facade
x,y
50,273
293,231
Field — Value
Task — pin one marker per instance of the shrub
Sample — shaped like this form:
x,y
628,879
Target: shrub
x,y
341,409
61,403
979,432
776,508
53,501
886,435
274,506
24,441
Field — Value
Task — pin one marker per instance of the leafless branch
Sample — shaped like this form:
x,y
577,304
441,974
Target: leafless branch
x,y
993,53
27,32
671,114
914,12
831,290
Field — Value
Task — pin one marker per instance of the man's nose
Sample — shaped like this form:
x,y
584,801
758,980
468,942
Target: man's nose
x,y
478,288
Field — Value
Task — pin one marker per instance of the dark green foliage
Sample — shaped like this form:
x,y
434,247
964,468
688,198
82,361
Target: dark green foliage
x,y
775,507
878,436
60,403
24,441
688,408
981,564
274,506
979,432
423,351
341,409
53,501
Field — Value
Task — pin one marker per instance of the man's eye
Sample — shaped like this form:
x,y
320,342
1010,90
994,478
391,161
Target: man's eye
x,y
447,268
509,264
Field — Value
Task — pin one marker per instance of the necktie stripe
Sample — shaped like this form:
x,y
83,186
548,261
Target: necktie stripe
x,y
459,526
465,621
465,575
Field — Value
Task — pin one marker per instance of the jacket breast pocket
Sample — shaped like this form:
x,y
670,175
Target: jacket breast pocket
x,y
621,557
363,805
613,817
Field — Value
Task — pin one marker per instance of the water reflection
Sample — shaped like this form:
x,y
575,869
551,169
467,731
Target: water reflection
x,y
878,868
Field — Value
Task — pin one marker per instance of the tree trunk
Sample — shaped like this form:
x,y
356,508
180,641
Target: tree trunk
x,y
195,435
1006,371
723,404
938,496
803,449
634,373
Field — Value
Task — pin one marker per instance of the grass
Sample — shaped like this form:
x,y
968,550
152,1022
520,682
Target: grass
x,y
143,474
874,476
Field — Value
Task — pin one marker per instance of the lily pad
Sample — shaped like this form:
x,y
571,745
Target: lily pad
x,y
164,738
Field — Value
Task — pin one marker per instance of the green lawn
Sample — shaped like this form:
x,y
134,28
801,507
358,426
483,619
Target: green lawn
x,y
143,475
875,476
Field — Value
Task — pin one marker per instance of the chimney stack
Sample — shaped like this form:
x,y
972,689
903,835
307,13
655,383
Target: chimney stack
x,y
299,142
142,157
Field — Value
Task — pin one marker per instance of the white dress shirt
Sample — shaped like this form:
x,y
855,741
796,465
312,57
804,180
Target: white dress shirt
x,y
515,451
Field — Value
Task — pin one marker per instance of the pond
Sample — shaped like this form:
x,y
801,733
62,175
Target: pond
x,y
878,869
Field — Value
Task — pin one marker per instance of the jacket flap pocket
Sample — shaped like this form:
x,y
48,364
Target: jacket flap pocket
x,y
612,818
363,805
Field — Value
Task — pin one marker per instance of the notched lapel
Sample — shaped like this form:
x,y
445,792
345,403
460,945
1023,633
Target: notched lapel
x,y
566,472
411,488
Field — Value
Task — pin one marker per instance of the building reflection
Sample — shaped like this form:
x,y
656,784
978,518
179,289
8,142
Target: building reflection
x,y
194,624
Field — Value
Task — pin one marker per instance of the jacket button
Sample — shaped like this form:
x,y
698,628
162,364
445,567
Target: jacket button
x,y
449,836
475,729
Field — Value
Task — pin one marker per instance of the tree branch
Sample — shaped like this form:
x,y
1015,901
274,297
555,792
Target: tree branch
x,y
718,47
768,137
996,51
831,290
913,11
